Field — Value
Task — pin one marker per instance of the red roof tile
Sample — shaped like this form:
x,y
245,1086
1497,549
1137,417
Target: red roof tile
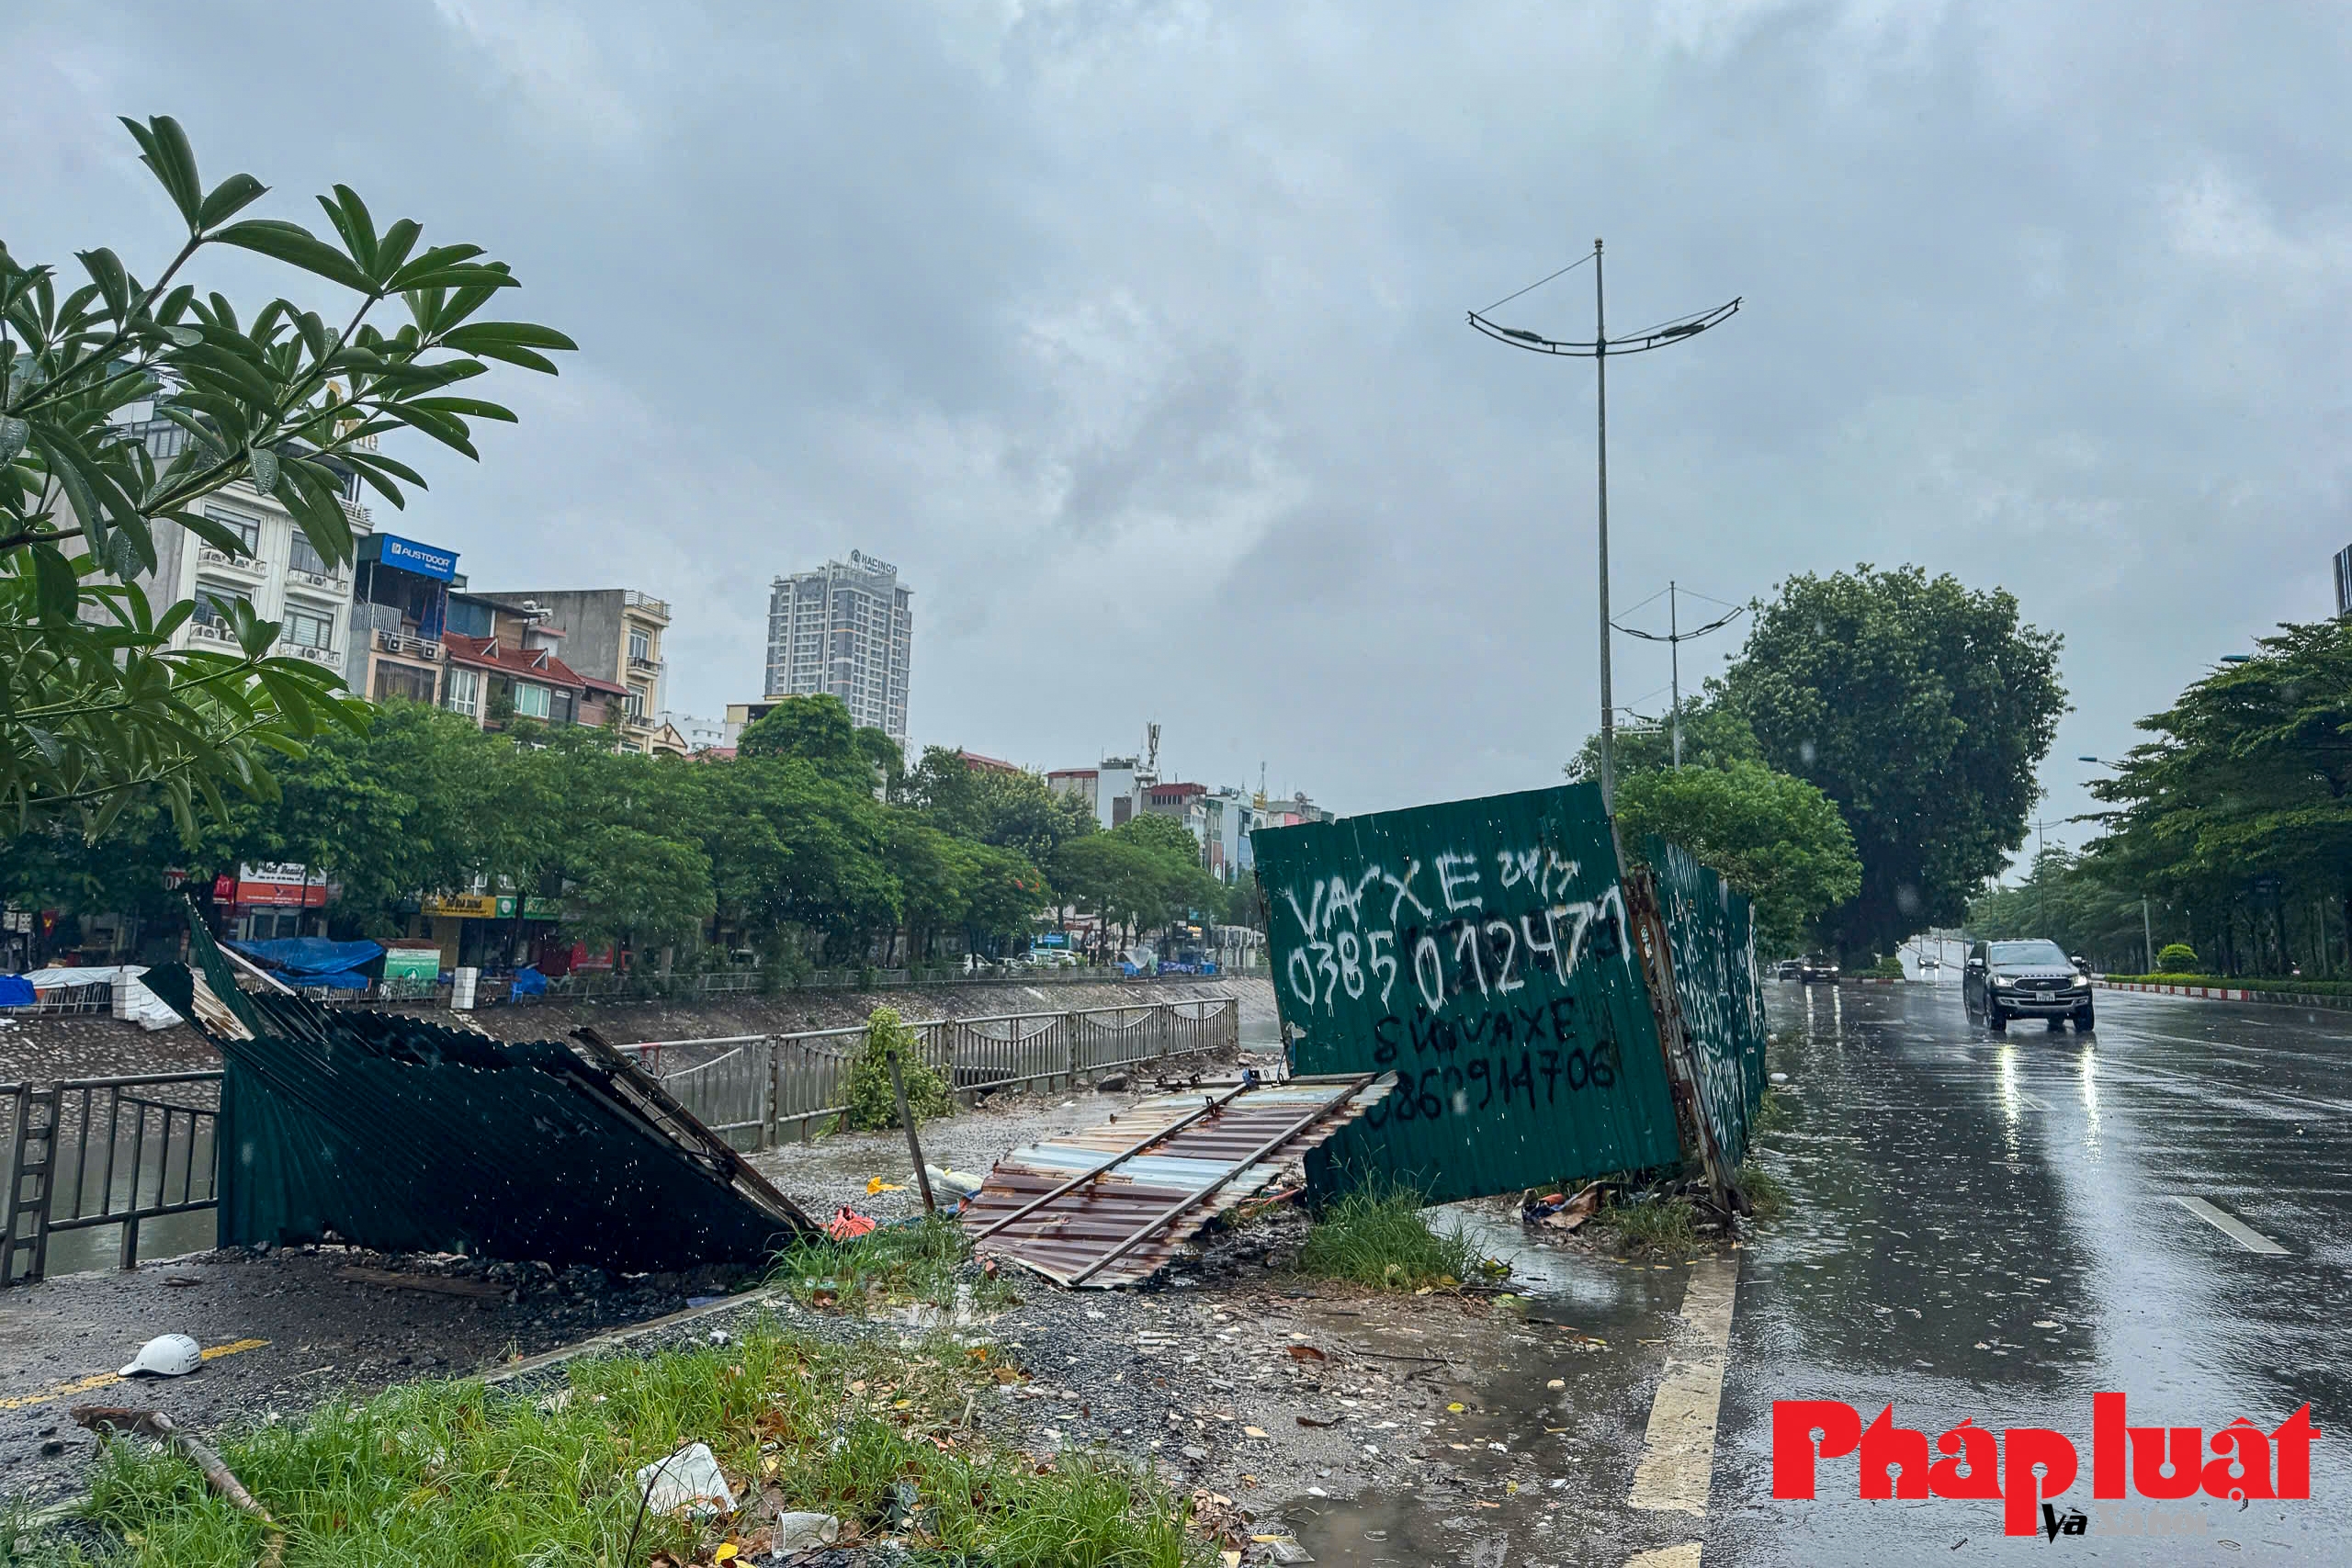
x,y
527,665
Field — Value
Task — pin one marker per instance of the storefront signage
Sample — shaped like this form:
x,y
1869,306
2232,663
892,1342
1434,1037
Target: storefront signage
x,y
274,883
422,559
542,909
469,906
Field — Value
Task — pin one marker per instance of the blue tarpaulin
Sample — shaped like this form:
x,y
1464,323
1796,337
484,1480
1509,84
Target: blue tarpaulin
x,y
529,982
316,961
16,991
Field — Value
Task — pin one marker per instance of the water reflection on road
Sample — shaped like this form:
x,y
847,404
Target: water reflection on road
x,y
1987,1226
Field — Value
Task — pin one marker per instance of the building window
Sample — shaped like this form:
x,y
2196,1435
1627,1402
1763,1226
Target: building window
x,y
246,528
211,603
465,692
306,629
640,647
304,556
530,701
409,684
562,712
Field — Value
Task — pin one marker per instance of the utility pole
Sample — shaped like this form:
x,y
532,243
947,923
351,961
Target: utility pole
x,y
1674,671
1598,350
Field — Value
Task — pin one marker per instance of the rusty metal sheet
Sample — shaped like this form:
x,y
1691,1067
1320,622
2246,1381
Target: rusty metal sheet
x,y
1479,949
1253,1138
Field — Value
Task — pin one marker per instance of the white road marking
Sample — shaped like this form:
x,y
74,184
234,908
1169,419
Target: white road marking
x,y
1683,1556
1679,1453
2229,1225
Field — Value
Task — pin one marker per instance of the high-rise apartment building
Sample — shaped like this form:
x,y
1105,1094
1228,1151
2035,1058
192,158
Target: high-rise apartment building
x,y
844,629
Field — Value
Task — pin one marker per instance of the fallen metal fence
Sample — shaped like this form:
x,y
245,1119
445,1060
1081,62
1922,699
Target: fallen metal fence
x,y
93,1152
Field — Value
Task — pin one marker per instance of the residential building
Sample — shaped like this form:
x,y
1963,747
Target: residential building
x,y
1226,817
2344,583
844,629
612,636
282,576
400,607
695,734
980,764
504,660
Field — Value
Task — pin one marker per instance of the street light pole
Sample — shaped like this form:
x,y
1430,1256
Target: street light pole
x,y
1601,448
1598,350
1674,638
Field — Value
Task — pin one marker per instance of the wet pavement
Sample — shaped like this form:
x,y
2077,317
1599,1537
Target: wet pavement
x,y
1990,1226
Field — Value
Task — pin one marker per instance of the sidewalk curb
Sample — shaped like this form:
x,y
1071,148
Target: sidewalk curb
x,y
2231,994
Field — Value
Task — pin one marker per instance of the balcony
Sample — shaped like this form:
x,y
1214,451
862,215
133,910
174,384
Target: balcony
x,y
631,599
250,566
326,656
357,514
407,647
651,666
211,631
332,582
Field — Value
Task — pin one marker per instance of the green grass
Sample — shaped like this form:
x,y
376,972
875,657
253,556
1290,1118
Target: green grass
x,y
1375,1236
1766,1198
891,1267
455,1472
1774,1111
1666,1226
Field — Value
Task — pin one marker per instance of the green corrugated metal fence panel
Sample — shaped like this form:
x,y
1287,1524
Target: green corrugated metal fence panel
x,y
1710,936
1479,948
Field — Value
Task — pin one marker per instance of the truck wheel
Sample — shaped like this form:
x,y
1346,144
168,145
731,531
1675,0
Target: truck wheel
x,y
2084,1019
1996,1017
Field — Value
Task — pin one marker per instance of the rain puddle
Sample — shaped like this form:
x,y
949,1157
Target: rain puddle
x,y
1546,1401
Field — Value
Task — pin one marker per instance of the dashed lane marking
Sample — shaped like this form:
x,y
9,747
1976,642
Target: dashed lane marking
x,y
1679,1453
1685,1555
2229,1225
108,1380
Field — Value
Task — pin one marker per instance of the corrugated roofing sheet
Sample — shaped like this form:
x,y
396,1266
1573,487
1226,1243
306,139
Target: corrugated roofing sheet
x,y
395,1133
1479,949
1208,1149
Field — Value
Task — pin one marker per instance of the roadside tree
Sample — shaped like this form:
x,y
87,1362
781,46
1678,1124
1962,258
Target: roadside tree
x,y
1777,839
1921,707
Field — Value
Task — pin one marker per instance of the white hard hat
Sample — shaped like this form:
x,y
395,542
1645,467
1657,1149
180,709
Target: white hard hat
x,y
165,1356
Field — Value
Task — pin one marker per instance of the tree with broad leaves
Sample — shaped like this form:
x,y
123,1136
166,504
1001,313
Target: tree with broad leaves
x,y
1923,708
97,708
1774,838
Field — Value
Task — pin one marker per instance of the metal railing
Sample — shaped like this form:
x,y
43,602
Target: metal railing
x,y
94,1153
758,1089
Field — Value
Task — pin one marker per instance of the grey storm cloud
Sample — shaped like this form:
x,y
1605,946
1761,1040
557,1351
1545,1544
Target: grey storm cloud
x,y
1134,332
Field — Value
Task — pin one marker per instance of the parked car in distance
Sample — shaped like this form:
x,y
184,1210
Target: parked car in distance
x,y
1817,969
2026,978
1787,969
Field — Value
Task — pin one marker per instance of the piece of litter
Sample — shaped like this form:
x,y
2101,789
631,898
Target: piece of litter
x,y
1254,1431
1306,1353
689,1480
804,1532
876,1184
1558,1382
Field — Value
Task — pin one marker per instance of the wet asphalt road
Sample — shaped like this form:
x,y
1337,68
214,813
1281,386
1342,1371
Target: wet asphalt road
x,y
1985,1226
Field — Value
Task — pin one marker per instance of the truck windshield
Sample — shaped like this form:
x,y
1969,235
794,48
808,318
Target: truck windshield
x,y
2023,953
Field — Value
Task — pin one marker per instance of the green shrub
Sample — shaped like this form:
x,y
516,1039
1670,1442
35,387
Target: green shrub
x,y
870,1102
1889,967
2176,958
1375,1236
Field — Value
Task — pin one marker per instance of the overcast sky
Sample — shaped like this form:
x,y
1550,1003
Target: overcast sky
x,y
1133,332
